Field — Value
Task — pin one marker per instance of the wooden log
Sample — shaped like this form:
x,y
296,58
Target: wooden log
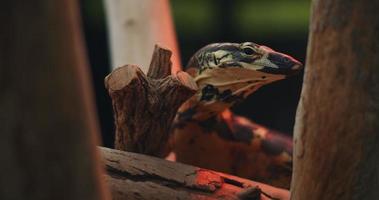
x,y
137,176
145,106
337,126
135,26
48,122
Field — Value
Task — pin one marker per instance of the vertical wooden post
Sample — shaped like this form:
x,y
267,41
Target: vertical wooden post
x,y
135,26
337,125
48,125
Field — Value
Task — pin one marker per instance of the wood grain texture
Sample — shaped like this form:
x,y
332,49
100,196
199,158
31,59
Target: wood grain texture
x,y
145,106
48,125
161,57
137,176
337,126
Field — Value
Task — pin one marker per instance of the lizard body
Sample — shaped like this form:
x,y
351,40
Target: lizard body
x,y
208,135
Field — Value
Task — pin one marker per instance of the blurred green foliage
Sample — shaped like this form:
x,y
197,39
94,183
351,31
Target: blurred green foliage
x,y
277,17
250,17
203,18
196,17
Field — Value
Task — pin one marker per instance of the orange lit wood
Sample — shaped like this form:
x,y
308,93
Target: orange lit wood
x,y
337,126
137,176
145,106
48,121
135,26
208,150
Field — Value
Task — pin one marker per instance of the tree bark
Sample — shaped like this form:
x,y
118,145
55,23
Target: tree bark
x,y
48,122
145,106
137,176
135,26
337,126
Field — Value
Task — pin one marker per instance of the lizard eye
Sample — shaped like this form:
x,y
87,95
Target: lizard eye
x,y
248,50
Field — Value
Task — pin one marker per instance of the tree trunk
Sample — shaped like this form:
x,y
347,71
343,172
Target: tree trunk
x,y
48,121
136,176
337,125
135,26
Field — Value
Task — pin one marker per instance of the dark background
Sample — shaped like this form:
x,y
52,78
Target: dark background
x,y
279,24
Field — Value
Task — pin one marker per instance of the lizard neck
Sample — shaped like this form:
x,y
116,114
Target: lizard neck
x,y
199,108
219,89
195,110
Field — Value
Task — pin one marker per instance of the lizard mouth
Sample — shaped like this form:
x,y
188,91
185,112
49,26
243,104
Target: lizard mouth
x,y
282,71
281,64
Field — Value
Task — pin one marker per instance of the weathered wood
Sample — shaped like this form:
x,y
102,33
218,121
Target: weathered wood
x,y
161,57
145,106
337,125
48,124
137,176
135,26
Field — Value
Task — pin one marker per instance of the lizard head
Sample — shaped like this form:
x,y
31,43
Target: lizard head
x,y
239,68
245,56
228,72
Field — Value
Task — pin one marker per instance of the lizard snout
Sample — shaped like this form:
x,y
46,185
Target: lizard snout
x,y
285,64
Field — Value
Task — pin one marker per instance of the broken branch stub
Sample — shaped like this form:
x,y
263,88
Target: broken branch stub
x,y
145,106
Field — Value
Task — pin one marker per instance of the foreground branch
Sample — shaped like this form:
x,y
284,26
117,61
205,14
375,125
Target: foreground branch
x,y
48,122
145,106
137,176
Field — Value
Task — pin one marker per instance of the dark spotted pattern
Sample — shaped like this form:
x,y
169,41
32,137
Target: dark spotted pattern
x,y
232,47
187,114
203,69
215,124
202,58
237,133
275,145
184,117
225,95
209,92
242,133
230,64
235,99
271,147
242,53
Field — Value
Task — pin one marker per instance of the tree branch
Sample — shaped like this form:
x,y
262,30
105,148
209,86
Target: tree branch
x,y
145,106
137,176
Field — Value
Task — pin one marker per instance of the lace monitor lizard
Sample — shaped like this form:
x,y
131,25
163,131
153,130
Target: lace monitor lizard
x,y
207,134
